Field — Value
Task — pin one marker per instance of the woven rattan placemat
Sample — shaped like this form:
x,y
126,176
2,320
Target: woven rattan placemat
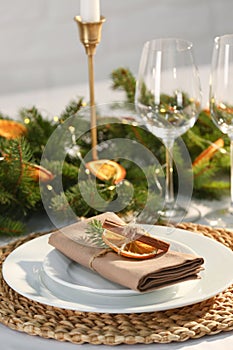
x,y
206,318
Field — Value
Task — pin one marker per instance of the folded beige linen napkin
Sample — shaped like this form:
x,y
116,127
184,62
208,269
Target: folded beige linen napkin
x,y
140,275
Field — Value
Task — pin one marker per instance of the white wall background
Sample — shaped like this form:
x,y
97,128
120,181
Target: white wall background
x,y
39,45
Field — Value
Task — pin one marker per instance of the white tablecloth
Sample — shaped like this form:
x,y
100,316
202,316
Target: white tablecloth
x,y
54,101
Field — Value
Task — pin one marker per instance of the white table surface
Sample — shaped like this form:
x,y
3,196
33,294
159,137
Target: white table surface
x,y
54,101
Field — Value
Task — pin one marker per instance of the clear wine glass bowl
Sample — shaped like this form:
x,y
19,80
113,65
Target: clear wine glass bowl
x,y
168,99
221,109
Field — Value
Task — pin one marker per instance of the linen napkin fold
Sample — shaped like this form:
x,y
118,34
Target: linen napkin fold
x,y
139,275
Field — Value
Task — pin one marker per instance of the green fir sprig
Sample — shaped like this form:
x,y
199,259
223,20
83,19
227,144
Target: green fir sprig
x,y
94,232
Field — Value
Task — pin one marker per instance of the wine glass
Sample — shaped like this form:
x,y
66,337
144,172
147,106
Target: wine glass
x,y
221,109
168,99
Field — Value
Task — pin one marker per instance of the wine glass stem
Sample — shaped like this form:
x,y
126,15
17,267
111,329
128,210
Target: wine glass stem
x,y
231,183
169,190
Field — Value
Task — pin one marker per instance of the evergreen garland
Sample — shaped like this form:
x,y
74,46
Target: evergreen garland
x,y
20,193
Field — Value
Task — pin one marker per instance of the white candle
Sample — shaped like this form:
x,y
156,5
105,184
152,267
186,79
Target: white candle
x,y
90,10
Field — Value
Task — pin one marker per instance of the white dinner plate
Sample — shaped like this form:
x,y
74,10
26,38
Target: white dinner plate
x,y
22,270
61,272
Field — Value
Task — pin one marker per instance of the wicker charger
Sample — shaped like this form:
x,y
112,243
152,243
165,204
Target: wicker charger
x,y
206,318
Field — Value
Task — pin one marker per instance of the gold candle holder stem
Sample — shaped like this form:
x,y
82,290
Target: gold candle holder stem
x,y
90,36
93,108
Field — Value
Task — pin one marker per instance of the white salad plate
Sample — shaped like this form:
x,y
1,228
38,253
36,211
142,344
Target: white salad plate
x,y
61,272
30,271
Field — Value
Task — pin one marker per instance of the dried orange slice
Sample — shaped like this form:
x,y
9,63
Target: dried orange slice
x,y
11,129
35,171
132,249
38,172
210,151
105,170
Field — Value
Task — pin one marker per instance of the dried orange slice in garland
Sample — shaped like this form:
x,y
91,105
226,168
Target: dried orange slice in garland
x,y
106,170
209,152
11,129
38,172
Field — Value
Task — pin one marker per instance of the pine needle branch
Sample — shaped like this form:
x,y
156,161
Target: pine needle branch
x,y
124,80
94,232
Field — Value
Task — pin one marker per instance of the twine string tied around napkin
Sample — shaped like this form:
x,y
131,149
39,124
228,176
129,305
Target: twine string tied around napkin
x,y
98,255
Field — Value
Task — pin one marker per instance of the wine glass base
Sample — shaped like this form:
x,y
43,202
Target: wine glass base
x,y
220,218
179,214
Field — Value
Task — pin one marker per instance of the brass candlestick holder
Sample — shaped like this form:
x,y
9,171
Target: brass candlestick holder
x,y
90,36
